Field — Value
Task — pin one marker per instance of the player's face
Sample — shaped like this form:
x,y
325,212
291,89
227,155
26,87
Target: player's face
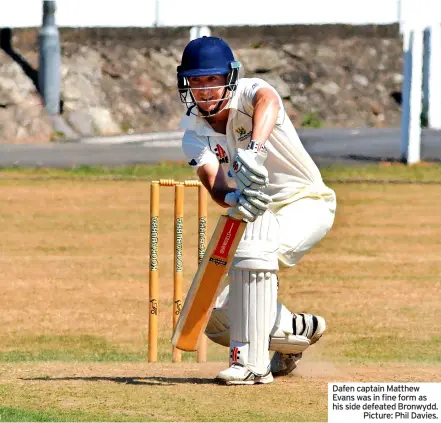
x,y
208,90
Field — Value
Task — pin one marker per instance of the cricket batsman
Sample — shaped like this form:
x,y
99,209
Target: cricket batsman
x,y
247,153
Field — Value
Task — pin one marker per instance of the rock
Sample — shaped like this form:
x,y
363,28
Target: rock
x,y
376,109
81,86
103,121
361,80
27,123
260,60
325,52
330,88
15,87
60,129
297,51
81,122
397,78
164,60
23,118
299,99
279,84
8,128
299,79
112,69
164,68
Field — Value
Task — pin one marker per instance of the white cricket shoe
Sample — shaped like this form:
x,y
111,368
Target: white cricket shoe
x,y
304,324
238,374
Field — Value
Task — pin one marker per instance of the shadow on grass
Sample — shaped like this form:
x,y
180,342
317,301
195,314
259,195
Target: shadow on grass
x,y
380,159
151,381
374,159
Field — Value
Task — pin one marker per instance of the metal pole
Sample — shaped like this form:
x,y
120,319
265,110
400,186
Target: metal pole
x,y
49,79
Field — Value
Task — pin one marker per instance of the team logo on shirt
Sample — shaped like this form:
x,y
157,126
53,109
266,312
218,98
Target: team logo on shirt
x,y
222,156
242,132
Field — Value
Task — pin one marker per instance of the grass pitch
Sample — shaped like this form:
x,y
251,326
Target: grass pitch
x,y
74,278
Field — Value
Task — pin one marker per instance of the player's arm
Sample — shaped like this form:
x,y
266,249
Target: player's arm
x,y
213,178
248,170
266,108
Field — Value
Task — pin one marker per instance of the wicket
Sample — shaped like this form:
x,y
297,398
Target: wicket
x,y
177,262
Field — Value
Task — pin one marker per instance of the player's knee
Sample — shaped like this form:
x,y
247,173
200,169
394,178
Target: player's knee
x,y
258,247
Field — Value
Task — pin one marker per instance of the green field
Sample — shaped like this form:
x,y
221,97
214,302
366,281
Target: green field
x,y
74,277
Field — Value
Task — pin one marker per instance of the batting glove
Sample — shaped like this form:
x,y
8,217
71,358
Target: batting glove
x,y
248,166
247,205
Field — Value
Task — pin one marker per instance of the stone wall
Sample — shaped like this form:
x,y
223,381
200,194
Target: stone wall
x,y
124,80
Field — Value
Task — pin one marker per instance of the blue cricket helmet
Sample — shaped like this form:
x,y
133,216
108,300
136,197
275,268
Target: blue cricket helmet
x,y
207,56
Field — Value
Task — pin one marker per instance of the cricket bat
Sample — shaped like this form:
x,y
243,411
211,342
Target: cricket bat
x,y
199,301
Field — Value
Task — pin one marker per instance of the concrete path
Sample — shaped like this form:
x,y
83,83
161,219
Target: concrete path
x,y
326,146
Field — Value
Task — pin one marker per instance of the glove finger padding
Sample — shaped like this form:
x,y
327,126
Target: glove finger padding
x,y
247,159
247,209
256,193
258,204
249,169
247,178
244,202
241,213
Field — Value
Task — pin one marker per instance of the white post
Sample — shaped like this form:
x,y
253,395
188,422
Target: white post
x,y
412,90
199,31
432,75
157,21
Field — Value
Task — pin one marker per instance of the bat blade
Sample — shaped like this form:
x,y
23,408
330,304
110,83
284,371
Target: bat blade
x,y
202,293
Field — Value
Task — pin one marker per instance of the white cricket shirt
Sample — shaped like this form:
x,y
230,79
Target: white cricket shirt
x,y
291,171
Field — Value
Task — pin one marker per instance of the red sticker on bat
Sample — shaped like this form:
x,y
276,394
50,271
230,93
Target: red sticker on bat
x,y
227,238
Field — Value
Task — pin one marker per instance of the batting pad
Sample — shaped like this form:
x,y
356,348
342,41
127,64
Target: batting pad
x,y
281,340
218,327
257,250
253,307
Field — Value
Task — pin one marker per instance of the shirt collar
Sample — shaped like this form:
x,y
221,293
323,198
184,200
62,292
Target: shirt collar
x,y
197,124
